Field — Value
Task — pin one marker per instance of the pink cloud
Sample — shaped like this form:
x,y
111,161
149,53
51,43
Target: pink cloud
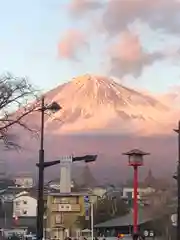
x,y
129,47
69,45
129,57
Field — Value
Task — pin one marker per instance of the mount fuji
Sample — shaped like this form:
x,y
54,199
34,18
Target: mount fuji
x,y
96,104
101,116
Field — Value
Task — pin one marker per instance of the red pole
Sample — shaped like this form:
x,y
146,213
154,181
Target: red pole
x,y
135,227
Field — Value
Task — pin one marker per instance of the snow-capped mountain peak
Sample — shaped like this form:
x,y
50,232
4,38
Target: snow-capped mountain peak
x,y
97,103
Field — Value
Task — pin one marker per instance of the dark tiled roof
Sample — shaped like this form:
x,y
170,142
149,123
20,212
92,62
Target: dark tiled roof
x,y
31,191
136,151
144,215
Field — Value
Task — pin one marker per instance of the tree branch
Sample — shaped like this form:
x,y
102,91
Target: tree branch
x,y
16,97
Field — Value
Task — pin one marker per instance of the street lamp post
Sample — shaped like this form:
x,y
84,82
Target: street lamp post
x,y
89,204
177,177
135,161
40,201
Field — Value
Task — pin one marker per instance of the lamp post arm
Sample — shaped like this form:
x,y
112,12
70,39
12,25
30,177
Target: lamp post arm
x,y
49,164
86,158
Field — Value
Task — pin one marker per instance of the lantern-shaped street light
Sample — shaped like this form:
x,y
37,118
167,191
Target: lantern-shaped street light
x,y
135,161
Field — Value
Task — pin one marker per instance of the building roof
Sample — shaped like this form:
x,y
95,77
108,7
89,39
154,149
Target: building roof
x,y
136,152
4,183
127,220
23,175
33,191
25,193
69,194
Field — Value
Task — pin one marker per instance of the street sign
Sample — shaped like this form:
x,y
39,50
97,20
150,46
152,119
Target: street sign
x,y
86,199
86,206
149,233
146,233
174,220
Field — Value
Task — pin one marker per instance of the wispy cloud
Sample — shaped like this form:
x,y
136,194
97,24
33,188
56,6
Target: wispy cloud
x,y
80,7
159,14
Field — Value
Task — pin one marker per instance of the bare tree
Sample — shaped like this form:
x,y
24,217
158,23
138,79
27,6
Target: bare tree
x,y
18,99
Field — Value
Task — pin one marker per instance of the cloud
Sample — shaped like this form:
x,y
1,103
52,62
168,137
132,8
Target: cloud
x,y
159,14
129,57
71,43
80,7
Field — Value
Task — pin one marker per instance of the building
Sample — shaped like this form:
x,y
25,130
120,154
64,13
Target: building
x,y
62,214
24,205
99,191
24,181
159,198
147,187
147,223
55,184
2,169
128,192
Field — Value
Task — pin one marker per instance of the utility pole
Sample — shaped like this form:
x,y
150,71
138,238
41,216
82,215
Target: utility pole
x,y
178,183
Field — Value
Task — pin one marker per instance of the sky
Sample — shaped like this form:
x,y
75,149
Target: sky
x,y
52,41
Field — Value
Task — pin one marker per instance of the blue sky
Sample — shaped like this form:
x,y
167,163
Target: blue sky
x,y
31,30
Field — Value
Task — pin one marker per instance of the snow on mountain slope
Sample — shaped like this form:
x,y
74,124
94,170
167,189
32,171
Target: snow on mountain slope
x,y
96,103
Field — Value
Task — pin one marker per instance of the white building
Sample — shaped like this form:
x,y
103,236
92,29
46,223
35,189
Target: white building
x,y
24,205
24,181
128,192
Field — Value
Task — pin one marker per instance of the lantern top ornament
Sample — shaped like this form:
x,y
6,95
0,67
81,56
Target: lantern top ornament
x,y
135,157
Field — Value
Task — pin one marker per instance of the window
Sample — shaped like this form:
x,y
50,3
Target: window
x,y
17,203
58,219
24,212
129,195
24,201
61,200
